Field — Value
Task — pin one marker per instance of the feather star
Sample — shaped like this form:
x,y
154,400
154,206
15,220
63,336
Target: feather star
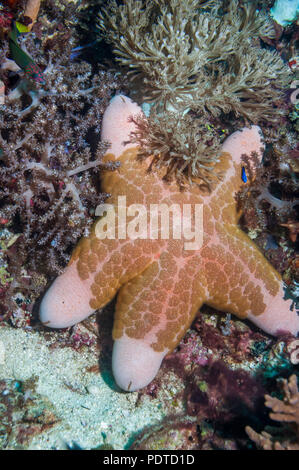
x,y
161,285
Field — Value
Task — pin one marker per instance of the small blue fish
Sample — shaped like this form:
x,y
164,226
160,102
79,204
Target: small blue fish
x,y
76,51
244,176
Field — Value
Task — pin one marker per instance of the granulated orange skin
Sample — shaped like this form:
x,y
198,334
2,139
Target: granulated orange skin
x,y
161,285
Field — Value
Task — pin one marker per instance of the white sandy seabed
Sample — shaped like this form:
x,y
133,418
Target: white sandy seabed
x,y
91,412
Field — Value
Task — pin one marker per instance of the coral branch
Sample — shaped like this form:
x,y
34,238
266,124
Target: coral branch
x,y
284,411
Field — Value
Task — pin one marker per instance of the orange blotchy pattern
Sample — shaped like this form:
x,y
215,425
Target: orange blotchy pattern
x,y
162,285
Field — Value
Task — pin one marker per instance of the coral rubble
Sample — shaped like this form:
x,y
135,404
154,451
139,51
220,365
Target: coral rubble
x,y
191,57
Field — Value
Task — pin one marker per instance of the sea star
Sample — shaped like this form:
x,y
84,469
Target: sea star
x,y
161,284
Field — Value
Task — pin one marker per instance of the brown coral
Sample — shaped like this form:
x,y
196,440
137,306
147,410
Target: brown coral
x,y
284,411
186,147
50,157
195,60
190,55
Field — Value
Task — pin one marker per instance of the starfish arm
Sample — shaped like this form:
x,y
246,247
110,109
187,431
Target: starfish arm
x,y
96,271
153,312
241,281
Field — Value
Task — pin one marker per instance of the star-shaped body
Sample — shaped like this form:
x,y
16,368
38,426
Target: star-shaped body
x,y
161,285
